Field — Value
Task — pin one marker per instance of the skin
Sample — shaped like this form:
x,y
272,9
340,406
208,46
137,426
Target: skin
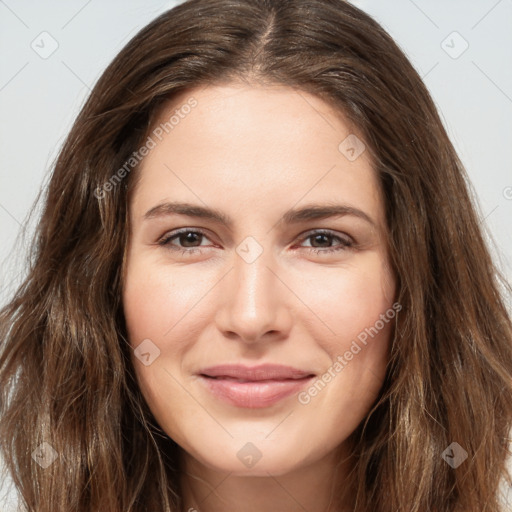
x,y
254,152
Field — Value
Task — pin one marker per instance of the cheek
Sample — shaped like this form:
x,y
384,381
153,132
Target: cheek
x,y
336,307
156,303
153,304
342,304
156,300
349,299
358,314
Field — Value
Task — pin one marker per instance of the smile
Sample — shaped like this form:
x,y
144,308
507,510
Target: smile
x,y
255,387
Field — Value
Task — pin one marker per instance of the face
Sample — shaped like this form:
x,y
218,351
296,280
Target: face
x,y
257,291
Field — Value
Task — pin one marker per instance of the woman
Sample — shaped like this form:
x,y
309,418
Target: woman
x,y
181,342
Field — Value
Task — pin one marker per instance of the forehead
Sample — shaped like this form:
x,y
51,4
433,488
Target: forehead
x,y
239,146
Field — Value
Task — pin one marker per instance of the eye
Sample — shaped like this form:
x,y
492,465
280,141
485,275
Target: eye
x,y
325,237
188,237
190,241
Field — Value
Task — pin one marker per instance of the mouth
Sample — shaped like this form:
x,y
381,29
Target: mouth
x,y
254,387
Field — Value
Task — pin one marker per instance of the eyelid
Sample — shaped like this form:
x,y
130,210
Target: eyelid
x,y
347,242
166,237
329,232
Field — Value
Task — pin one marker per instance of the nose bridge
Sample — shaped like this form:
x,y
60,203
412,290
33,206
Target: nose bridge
x,y
253,281
254,303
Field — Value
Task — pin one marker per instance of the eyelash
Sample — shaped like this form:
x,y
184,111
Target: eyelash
x,y
166,239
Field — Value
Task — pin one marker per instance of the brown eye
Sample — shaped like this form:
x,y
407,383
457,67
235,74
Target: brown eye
x,y
321,242
187,238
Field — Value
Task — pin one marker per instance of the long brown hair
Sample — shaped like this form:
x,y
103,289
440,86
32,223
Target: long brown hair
x,y
66,376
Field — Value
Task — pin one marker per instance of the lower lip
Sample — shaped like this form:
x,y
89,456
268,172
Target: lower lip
x,y
255,394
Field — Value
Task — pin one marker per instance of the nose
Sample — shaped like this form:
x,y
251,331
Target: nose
x,y
256,302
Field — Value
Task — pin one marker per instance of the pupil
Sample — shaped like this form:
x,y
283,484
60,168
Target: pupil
x,y
317,237
189,238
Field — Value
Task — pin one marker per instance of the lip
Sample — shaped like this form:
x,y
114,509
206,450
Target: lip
x,y
254,387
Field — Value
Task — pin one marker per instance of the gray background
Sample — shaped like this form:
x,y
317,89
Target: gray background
x,y
40,94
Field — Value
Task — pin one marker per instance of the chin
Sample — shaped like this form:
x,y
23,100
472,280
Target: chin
x,y
252,458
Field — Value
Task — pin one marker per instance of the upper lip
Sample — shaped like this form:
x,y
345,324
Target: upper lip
x,y
256,373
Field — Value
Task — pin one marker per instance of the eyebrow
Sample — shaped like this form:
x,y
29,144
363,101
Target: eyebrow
x,y
292,216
